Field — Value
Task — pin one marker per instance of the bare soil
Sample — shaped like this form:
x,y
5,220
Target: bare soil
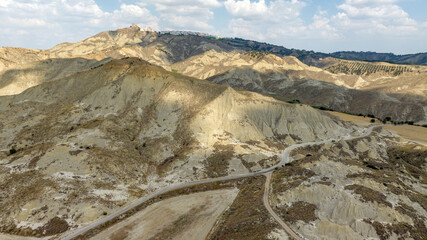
x,y
183,217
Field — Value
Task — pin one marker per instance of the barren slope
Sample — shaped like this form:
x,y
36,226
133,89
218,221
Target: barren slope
x,y
233,62
400,97
362,189
96,140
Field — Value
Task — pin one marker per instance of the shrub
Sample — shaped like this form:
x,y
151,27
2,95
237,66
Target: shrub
x,y
12,151
372,120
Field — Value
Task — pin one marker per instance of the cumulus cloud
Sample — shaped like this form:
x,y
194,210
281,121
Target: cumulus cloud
x,y
373,17
55,21
277,20
185,14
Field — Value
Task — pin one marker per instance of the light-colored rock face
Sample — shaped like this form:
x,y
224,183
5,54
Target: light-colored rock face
x,y
97,140
352,190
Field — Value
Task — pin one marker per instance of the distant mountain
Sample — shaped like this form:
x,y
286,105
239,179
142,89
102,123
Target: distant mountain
x,y
418,58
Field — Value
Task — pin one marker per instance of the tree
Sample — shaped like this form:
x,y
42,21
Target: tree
x,y
372,120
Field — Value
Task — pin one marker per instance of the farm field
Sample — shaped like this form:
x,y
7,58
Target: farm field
x,y
366,68
407,132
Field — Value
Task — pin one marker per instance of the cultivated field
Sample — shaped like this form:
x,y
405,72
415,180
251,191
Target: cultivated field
x,y
366,68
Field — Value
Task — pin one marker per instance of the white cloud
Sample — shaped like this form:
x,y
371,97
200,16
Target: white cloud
x,y
52,22
322,25
185,14
374,17
246,8
277,20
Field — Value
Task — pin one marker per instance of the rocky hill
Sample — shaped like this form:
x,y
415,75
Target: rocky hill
x,y
380,89
90,142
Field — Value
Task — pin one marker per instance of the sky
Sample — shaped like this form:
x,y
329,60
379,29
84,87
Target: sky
x,y
396,26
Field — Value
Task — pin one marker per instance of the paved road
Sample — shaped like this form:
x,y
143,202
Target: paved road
x,y
285,159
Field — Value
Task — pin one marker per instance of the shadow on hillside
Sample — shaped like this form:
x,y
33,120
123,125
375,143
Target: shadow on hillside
x,y
400,107
48,70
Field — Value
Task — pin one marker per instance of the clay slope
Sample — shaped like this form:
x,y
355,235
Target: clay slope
x,y
400,97
96,140
15,80
368,188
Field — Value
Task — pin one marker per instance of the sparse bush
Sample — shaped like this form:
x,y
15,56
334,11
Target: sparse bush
x,y
12,151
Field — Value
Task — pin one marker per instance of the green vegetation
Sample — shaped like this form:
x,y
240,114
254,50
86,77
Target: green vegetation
x,y
175,71
322,108
294,101
358,68
256,54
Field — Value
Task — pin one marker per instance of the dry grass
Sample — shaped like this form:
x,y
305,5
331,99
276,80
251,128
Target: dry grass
x,y
246,218
369,195
352,118
412,133
216,165
403,230
289,177
298,211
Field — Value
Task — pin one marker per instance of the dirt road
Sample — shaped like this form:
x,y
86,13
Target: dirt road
x,y
288,230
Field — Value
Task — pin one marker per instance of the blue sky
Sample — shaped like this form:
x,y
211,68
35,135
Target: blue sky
x,y
398,26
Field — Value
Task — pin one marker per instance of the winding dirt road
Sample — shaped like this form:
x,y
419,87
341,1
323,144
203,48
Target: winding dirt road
x,y
267,172
288,230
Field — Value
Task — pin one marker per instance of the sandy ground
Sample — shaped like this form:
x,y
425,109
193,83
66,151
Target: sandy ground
x,y
407,132
412,133
183,217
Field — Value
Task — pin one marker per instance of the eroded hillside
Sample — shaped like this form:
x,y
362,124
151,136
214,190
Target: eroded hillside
x,y
372,188
396,91
94,141
383,95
